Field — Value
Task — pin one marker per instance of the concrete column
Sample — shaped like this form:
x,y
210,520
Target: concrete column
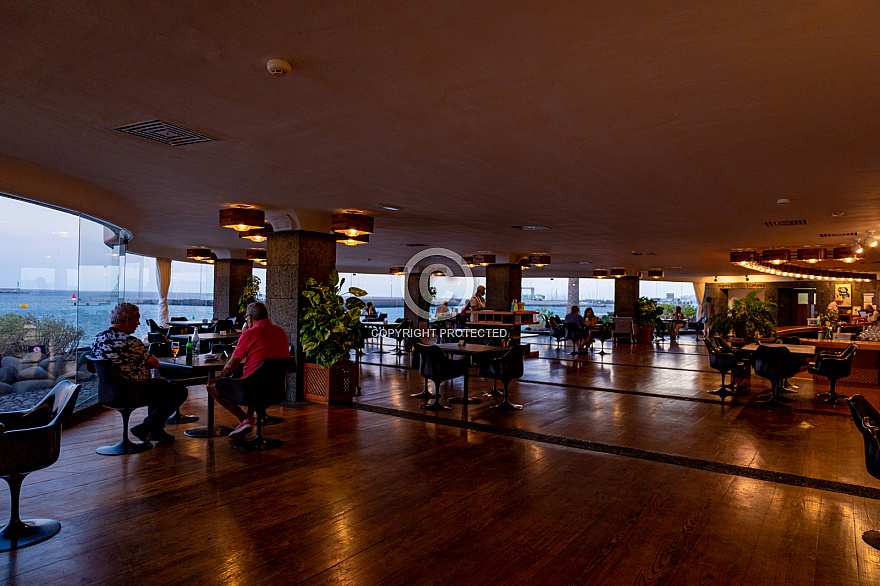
x,y
574,293
413,292
626,296
230,276
294,257
503,285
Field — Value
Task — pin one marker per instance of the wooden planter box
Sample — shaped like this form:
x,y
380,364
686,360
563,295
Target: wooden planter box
x,y
329,385
645,335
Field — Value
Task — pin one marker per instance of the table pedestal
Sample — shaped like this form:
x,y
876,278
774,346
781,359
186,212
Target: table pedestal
x,y
209,430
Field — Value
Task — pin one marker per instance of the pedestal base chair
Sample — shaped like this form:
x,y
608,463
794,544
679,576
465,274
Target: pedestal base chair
x,y
603,334
417,348
505,368
267,386
399,334
125,395
867,420
557,329
775,364
438,367
29,441
834,366
723,361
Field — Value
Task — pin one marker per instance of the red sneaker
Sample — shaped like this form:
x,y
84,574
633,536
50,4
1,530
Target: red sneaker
x,y
242,430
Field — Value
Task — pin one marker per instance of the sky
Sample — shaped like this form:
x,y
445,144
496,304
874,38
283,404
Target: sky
x,y
41,248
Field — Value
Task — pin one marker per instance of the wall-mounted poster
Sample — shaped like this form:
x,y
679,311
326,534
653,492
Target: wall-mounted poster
x,y
843,291
867,299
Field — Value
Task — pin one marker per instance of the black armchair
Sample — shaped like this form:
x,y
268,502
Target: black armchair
x,y
267,386
156,328
402,331
125,395
221,325
834,367
575,334
775,364
866,418
438,367
786,386
31,440
417,348
557,329
603,334
505,368
723,361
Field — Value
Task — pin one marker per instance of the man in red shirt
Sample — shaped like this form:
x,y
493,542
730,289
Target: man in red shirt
x,y
260,339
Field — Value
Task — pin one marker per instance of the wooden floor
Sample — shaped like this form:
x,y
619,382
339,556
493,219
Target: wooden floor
x,y
606,484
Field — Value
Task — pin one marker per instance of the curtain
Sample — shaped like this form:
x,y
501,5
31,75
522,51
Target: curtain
x,y
699,291
163,280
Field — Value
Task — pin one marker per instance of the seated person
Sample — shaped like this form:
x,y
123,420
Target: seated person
x,y
590,321
369,312
260,339
134,361
872,315
679,322
443,311
575,318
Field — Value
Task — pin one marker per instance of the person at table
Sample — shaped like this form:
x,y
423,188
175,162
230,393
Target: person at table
x,y
871,314
443,311
590,320
131,357
478,301
833,306
369,312
678,321
260,339
575,318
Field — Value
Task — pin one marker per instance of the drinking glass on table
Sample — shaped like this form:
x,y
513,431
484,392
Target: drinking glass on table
x,y
175,348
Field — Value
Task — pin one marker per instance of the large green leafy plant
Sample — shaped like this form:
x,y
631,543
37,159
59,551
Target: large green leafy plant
x,y
328,323
249,293
747,316
647,312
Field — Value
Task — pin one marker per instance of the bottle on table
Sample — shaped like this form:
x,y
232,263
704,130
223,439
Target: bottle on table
x,y
189,352
195,341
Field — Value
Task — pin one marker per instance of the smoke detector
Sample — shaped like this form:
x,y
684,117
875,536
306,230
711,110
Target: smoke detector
x,y
278,67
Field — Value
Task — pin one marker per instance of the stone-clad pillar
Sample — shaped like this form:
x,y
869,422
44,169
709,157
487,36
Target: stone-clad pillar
x,y
230,276
293,257
503,285
626,296
413,292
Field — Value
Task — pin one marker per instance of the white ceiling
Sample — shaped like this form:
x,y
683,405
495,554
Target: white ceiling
x,y
669,127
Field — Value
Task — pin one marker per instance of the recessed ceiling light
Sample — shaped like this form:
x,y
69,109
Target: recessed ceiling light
x,y
837,214
783,201
673,267
637,253
388,207
584,262
417,245
532,227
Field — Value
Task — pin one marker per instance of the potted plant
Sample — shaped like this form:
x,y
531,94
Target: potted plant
x,y
746,317
328,330
647,312
248,294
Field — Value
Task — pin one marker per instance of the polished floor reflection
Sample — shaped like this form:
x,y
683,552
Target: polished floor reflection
x,y
398,496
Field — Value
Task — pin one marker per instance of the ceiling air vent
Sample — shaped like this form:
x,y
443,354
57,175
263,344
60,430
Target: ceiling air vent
x,y
532,227
637,253
786,223
165,133
839,235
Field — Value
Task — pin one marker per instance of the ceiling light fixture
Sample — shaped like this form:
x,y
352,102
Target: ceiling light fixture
x,y
524,263
600,273
870,241
618,272
655,273
256,235
469,261
777,256
811,255
539,260
242,218
256,254
398,270
484,259
388,207
198,253
351,224
856,247
353,240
